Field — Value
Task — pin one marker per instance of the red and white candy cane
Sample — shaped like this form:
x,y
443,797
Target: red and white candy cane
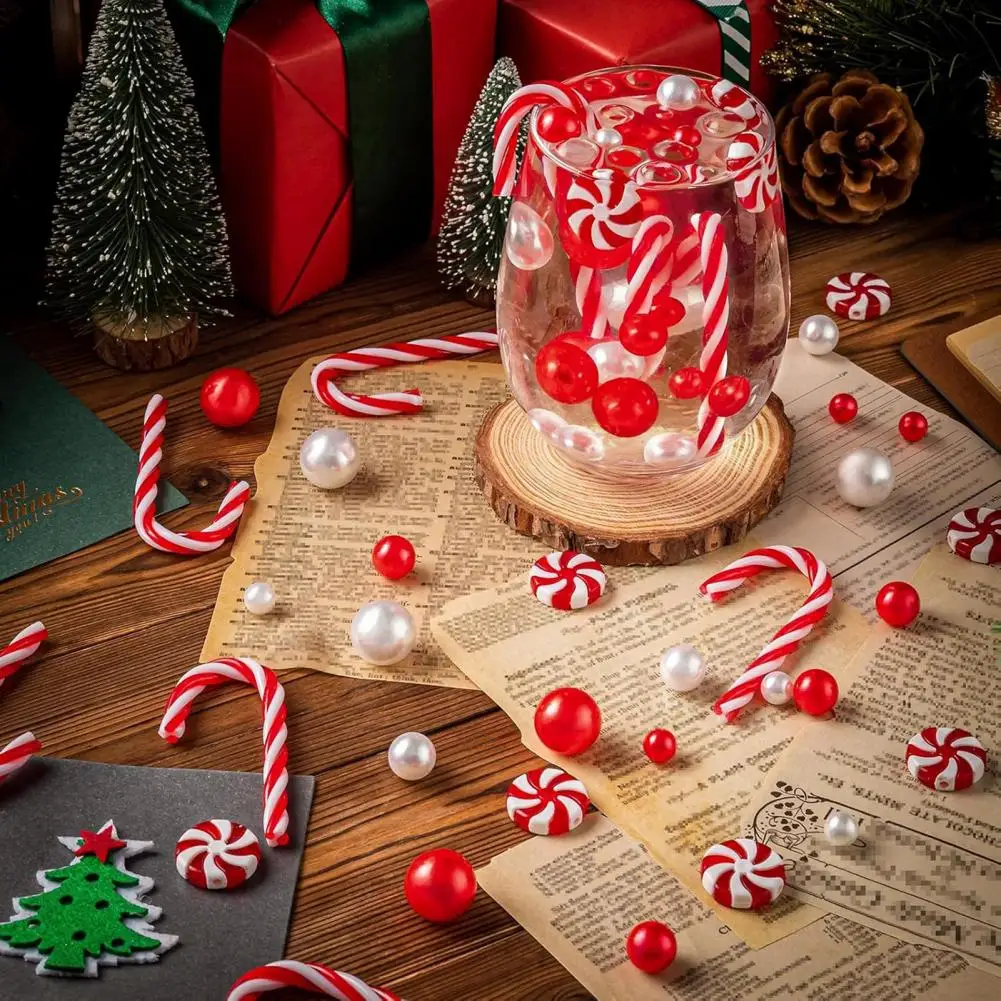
x,y
144,501
649,267
309,977
591,301
219,672
387,356
742,692
687,264
17,754
520,104
715,323
20,648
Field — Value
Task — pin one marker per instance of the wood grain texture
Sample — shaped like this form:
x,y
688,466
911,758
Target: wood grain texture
x,y
126,622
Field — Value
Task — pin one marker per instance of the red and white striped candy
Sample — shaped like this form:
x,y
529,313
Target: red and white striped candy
x,y
310,977
592,302
601,216
269,688
15,755
787,640
753,182
858,295
144,500
975,534
727,96
743,874
946,758
547,801
567,580
649,267
24,645
217,855
387,356
687,264
715,324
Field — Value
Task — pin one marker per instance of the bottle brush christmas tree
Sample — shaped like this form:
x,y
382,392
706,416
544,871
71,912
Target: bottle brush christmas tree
x,y
138,238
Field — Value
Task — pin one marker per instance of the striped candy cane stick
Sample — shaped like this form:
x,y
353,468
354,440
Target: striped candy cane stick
x,y
401,353
219,672
309,977
17,754
591,301
715,323
20,648
650,262
687,264
789,637
144,518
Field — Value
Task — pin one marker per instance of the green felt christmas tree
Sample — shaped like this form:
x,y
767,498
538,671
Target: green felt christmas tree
x,y
90,913
471,239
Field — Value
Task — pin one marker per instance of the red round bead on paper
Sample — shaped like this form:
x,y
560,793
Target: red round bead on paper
x,y
568,721
643,335
913,426
440,885
393,556
815,692
687,384
728,396
625,407
566,372
843,407
651,946
556,124
687,134
230,397
898,603
660,746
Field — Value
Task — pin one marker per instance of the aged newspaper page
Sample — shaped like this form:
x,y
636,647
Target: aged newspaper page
x,y
579,895
927,864
516,649
315,545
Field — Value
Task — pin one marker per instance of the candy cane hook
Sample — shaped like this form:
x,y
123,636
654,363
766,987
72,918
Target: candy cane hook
x,y
310,977
17,754
24,645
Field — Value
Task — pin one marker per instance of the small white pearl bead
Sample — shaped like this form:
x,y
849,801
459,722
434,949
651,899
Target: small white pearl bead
x,y
682,668
412,756
259,598
841,829
776,688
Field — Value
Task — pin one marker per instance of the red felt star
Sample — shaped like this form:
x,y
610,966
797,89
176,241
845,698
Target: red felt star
x,y
101,844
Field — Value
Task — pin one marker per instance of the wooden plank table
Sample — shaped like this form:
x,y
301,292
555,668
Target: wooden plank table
x,y
126,621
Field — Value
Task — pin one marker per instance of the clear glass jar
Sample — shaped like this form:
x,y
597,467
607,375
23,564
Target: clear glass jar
x,y
658,215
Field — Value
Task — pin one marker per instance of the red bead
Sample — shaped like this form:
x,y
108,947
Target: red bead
x,y
687,384
568,721
659,746
688,135
913,426
556,124
625,407
729,396
815,692
898,603
566,372
440,885
393,556
843,407
644,334
668,310
625,158
230,397
651,947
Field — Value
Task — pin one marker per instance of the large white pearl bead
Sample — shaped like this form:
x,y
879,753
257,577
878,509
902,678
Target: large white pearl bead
x,y
682,668
841,829
776,688
609,138
613,361
864,477
383,632
678,92
259,598
412,756
819,334
329,458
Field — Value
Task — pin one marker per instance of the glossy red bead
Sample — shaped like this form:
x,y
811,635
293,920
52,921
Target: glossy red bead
x,y
230,397
440,885
643,335
687,384
668,310
843,407
566,372
568,721
913,426
625,407
624,158
556,123
815,692
687,135
393,556
898,603
729,396
651,946
659,746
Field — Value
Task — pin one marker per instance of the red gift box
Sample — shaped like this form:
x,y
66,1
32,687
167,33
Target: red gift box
x,y
558,39
285,140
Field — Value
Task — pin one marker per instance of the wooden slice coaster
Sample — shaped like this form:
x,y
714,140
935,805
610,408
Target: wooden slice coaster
x,y
536,490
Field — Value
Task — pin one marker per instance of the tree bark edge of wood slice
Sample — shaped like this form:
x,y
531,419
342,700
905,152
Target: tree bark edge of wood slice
x,y
171,343
537,491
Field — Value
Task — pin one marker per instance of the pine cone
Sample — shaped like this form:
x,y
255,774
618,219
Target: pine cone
x,y
850,150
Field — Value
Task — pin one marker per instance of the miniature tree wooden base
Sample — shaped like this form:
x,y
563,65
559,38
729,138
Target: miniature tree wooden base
x,y
536,490
155,345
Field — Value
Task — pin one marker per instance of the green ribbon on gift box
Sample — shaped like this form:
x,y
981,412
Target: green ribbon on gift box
x,y
735,35
387,56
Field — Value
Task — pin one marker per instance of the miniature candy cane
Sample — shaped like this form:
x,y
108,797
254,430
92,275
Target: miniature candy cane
x,y
310,977
218,672
386,356
789,637
20,648
591,302
687,264
649,266
144,501
521,103
17,754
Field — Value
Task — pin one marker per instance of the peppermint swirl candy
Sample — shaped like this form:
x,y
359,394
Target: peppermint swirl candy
x,y
946,758
975,535
547,801
218,855
567,580
743,874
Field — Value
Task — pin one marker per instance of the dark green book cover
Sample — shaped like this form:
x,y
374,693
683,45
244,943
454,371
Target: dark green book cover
x,y
66,479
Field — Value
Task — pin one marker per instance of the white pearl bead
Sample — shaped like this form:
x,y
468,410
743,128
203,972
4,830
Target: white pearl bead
x,y
864,477
412,756
670,449
329,458
678,92
613,361
383,632
776,688
819,334
682,668
608,138
841,828
259,598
